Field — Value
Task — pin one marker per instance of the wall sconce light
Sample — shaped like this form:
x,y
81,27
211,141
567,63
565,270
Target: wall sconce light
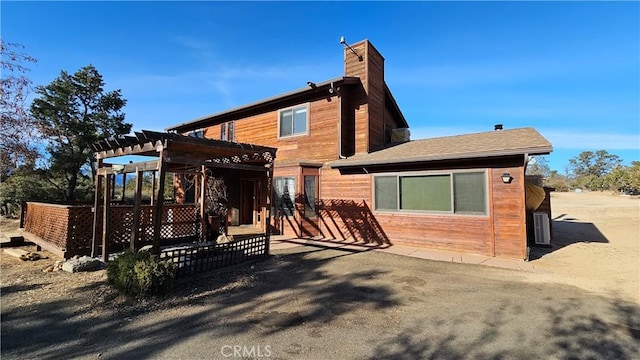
x,y
506,178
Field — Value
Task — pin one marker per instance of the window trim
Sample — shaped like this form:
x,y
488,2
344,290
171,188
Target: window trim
x,y
452,212
293,108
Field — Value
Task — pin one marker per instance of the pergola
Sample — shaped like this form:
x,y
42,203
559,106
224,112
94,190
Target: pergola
x,y
175,153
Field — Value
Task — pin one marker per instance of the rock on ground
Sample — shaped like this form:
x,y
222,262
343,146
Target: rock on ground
x,y
84,263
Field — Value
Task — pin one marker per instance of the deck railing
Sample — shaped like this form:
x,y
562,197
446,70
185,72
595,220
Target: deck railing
x,y
69,228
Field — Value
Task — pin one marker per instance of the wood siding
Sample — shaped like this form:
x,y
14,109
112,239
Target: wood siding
x,y
356,68
347,214
319,144
345,209
509,218
375,92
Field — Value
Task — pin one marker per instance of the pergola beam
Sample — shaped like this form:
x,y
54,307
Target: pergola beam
x,y
175,153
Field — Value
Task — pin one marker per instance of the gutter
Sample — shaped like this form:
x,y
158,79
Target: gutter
x,y
359,164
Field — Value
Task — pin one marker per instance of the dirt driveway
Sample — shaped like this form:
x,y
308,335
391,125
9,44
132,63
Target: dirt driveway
x,y
596,244
312,302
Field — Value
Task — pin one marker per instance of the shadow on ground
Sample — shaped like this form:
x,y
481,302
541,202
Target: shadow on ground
x,y
55,330
569,334
568,231
314,302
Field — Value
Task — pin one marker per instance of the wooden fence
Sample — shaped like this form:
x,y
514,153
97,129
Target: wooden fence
x,y
68,229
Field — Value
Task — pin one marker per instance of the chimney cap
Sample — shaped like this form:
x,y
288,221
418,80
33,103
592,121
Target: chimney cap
x,y
497,127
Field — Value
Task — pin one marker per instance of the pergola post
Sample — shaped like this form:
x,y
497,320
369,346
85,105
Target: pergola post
x,y
157,208
153,188
106,223
204,223
96,213
136,210
267,231
124,185
113,187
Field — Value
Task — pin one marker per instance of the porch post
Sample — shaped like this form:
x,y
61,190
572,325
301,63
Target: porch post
x,y
153,188
157,208
106,223
96,215
113,186
124,185
204,224
268,217
136,210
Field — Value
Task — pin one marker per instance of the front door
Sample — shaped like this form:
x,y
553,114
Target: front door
x,y
310,216
247,202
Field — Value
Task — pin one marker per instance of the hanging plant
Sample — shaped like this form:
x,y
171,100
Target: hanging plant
x,y
216,197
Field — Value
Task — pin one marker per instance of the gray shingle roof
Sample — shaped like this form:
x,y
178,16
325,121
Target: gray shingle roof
x,y
477,145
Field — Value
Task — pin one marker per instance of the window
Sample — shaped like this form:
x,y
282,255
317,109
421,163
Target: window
x,y
293,121
310,182
458,193
470,194
284,191
425,193
226,131
197,133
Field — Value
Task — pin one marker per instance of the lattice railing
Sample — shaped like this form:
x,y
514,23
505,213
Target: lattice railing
x,y
49,222
179,223
199,258
70,228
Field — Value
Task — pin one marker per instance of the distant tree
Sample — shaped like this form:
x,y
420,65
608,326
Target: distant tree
x,y
16,126
24,184
73,112
557,181
595,164
539,165
623,178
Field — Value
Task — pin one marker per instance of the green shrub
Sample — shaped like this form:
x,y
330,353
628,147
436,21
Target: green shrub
x,y
141,274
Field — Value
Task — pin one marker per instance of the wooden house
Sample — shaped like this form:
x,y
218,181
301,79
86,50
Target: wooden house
x,y
346,169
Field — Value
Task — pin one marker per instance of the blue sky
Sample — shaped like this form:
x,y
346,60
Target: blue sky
x,y
569,69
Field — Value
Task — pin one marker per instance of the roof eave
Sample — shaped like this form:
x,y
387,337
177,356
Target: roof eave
x,y
395,106
530,151
319,88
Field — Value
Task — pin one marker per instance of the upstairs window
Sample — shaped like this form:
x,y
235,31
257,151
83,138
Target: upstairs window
x,y
197,134
226,131
293,121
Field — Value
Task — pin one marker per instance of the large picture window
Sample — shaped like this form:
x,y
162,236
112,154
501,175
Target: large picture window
x,y
458,193
284,192
293,121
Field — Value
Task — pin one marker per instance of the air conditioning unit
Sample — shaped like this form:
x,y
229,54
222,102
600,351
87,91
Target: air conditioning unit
x,y
400,135
542,235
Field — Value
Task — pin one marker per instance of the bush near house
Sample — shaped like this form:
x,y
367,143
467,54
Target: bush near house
x,y
141,274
